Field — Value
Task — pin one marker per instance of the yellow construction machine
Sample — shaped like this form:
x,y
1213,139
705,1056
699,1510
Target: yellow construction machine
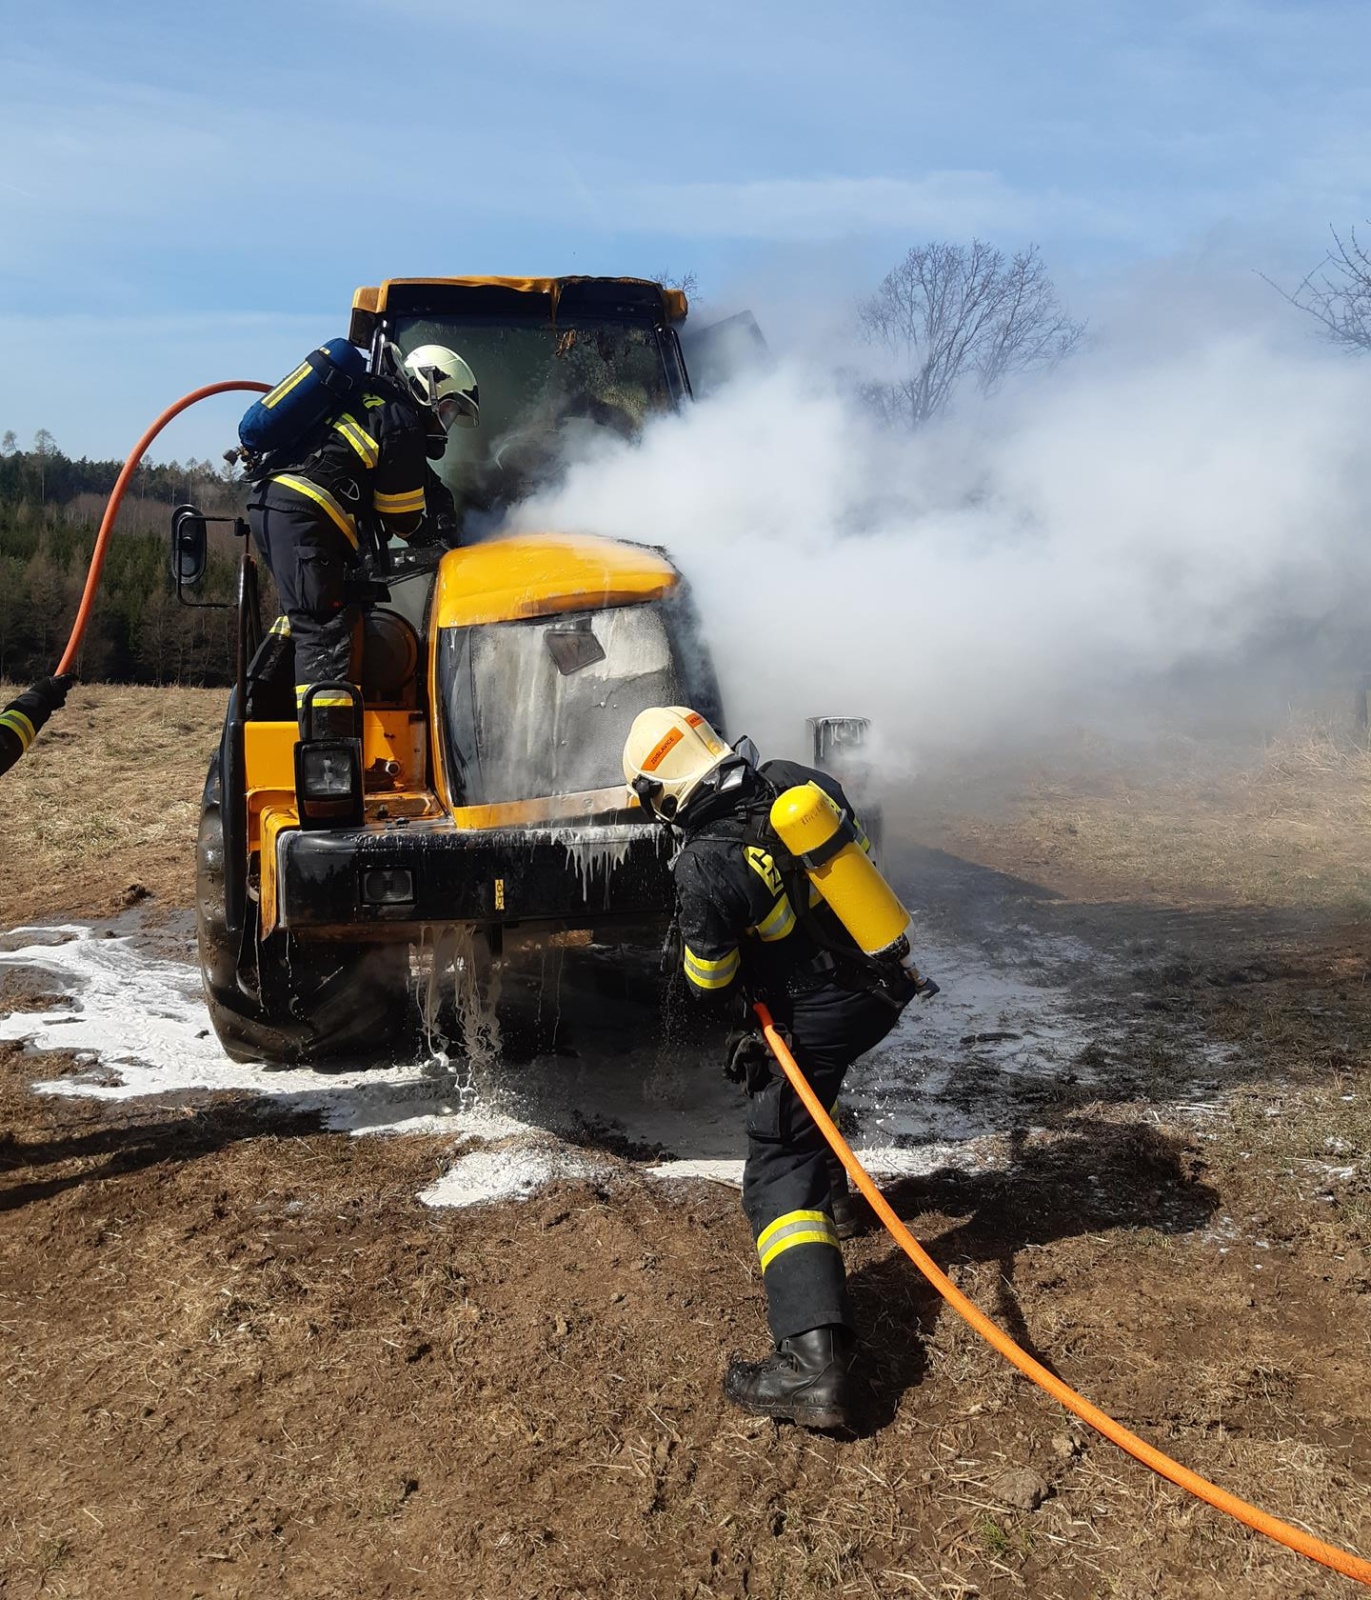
x,y
483,791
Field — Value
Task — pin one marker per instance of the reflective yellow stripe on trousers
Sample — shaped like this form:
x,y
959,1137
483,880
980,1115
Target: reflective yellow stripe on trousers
x,y
795,1228
302,689
324,500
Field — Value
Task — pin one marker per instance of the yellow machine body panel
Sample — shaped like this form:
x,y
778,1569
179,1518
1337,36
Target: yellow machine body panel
x,y
369,304
387,736
542,574
807,821
275,812
555,810
271,820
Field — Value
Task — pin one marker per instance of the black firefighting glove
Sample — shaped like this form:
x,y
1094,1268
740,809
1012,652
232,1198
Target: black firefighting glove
x,y
21,719
52,692
748,1059
438,533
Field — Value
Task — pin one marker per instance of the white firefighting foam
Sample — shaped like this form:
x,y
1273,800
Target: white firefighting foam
x,y
138,1027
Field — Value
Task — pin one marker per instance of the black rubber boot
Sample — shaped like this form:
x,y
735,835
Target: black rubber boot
x,y
806,1379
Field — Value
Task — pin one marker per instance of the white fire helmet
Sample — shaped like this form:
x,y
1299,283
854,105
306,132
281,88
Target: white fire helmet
x,y
670,751
440,379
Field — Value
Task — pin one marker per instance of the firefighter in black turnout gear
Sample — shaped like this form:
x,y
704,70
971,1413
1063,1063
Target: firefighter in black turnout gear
x,y
358,476
26,713
754,929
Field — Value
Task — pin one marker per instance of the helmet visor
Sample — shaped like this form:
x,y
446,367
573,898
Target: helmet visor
x,y
458,410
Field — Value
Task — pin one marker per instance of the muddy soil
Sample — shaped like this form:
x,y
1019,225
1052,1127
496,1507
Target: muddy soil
x,y
241,1356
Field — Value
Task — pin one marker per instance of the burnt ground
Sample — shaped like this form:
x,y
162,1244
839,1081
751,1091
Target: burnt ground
x,y
239,1357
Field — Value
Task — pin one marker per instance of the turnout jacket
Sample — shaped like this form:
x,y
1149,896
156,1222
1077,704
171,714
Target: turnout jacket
x,y
25,715
369,465
734,911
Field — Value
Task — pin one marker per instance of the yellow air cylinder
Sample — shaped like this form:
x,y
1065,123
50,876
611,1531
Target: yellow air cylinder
x,y
816,833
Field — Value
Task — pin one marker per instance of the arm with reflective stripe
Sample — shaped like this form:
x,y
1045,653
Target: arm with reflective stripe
x,y
13,739
706,974
710,926
397,487
25,715
404,504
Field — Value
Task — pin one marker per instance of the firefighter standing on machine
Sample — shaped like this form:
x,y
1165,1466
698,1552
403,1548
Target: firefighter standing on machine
x,y
756,926
362,471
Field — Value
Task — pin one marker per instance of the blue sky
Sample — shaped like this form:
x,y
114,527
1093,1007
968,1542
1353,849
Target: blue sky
x,y
191,192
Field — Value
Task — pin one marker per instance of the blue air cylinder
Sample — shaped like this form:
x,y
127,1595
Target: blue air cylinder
x,y
324,382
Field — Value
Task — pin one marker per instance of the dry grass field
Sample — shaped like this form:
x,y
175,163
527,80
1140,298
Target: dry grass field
x,y
107,799
238,1357
1281,823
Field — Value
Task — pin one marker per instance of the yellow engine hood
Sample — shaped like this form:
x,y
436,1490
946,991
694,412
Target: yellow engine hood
x,y
541,574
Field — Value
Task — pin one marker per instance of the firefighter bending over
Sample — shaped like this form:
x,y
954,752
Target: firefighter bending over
x,y
26,713
754,930
360,472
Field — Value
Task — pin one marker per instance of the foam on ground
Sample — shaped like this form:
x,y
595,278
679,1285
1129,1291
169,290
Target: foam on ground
x,y
139,1026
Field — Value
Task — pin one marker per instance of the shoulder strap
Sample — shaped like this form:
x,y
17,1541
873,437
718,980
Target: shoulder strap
x,y
848,957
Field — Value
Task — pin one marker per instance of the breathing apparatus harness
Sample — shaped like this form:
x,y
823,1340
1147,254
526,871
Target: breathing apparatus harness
x,y
302,452
739,788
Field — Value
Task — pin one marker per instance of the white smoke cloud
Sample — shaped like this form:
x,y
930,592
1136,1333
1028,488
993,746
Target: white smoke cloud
x,y
1057,555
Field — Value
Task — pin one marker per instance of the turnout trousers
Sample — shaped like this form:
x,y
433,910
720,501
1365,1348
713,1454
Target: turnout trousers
x,y
311,562
786,1179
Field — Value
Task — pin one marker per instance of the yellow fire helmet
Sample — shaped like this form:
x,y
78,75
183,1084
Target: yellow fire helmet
x,y
439,378
670,751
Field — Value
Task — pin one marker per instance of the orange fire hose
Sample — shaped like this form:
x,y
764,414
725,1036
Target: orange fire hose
x,y
102,539
1303,1543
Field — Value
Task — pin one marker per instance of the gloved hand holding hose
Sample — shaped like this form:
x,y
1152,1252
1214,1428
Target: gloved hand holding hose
x,y
25,715
748,1060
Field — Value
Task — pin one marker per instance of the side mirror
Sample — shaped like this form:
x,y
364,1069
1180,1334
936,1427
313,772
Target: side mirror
x,y
838,740
189,547
842,747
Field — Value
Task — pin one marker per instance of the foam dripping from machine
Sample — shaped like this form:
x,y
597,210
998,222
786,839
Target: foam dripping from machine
x,y
594,856
455,974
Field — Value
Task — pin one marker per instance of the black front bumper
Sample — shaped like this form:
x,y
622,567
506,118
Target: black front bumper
x,y
576,876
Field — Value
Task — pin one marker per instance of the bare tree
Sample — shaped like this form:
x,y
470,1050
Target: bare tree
x,y
44,445
949,314
687,282
1337,293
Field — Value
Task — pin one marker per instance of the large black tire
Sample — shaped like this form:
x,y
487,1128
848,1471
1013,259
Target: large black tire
x,y
304,1003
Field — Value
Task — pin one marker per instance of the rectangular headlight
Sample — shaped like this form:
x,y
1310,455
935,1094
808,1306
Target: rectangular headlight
x,y
327,772
387,886
328,781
